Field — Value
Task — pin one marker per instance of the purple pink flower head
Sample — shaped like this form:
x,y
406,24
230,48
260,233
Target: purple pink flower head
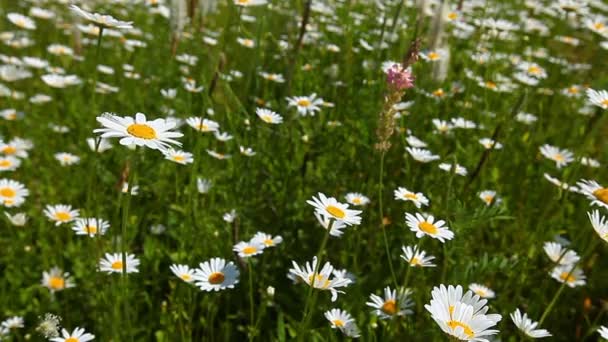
x,y
399,78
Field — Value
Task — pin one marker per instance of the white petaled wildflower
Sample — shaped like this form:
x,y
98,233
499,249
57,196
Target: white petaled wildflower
x,y
203,185
598,98
21,21
113,263
90,226
217,155
527,326
456,168
222,136
568,274
526,118
336,226
246,249
266,239
18,220
15,322
9,163
12,193
395,303
428,226
599,223
415,142
557,253
442,126
60,81
342,321
416,257
417,198
230,216
49,325
489,197
268,116
61,213
278,78
78,335
202,125
490,144
329,207
482,291
248,3
560,184
247,151
561,157
102,20
596,193
603,331
183,272
66,159
99,145
306,105
421,155
179,156
216,275
155,134
356,198
322,279
57,280
590,162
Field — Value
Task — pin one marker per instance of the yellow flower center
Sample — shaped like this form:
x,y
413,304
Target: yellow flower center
x,y
573,90
142,131
357,200
433,56
117,265
249,250
438,93
567,278
179,158
335,211
63,216
216,278
534,70
56,283
428,228
338,322
9,150
186,277
411,196
90,229
7,192
243,2
488,198
72,339
480,292
267,118
452,15
601,194
389,307
268,242
467,329
599,26
491,85
415,262
605,102
5,163
319,281
558,157
303,103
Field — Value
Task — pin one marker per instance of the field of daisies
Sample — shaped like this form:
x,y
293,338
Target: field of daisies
x,y
303,170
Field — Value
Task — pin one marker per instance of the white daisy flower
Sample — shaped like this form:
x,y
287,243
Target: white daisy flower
x,y
57,280
9,163
416,257
155,134
106,21
527,326
60,81
342,321
393,304
61,213
247,151
216,275
230,216
457,169
16,147
98,144
179,156
183,272
415,142
112,263
599,223
417,198
78,335
306,105
482,291
67,159
278,78
561,157
90,226
557,253
489,197
321,280
331,208
21,21
598,97
268,116
489,144
203,185
12,193
597,194
603,331
266,239
246,249
526,118
442,126
356,198
18,220
566,274
590,162
428,226
421,155
560,184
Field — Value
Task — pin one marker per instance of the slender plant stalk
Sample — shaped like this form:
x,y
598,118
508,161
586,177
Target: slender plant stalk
x,y
382,225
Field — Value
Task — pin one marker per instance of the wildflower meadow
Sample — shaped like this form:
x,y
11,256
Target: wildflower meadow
x,y
303,170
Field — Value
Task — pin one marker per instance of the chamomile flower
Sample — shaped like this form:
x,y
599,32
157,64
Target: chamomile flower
x,y
421,155
179,156
489,197
230,216
67,159
9,163
278,78
597,194
16,147
183,272
268,116
61,213
442,126
306,105
101,20
12,193
336,226
417,198
246,249
560,184
155,134
60,81
99,145
416,257
57,280
603,331
203,185
590,162
557,253
489,144
356,198
17,220
331,208
21,21
342,321
527,326
218,155
599,223
428,226
112,263
216,275
90,226
322,280
247,151
598,98
456,168
561,157
393,304
266,239
569,274
78,335
247,3
482,291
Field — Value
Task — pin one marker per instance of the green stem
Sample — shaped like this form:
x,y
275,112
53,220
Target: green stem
x,y
251,304
386,245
